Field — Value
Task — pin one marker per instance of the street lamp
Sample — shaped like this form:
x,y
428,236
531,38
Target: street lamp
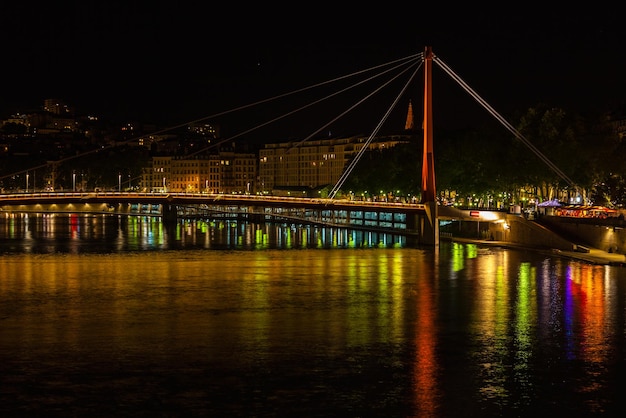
x,y
74,181
119,182
26,182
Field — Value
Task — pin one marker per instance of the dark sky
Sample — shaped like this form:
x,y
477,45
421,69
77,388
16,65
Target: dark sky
x,y
173,62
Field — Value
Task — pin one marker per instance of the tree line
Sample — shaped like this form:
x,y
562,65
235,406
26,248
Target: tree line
x,y
489,164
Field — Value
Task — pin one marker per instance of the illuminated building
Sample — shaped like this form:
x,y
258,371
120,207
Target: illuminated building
x,y
225,172
314,163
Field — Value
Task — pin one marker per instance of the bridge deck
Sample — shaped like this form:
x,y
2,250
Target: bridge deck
x,y
202,198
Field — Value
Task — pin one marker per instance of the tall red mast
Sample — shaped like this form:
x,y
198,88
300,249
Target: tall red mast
x,y
428,165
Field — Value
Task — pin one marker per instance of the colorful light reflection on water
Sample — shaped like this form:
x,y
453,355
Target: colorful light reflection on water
x,y
65,232
217,319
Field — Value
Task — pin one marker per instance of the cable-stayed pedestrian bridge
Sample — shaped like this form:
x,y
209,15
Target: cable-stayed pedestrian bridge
x,y
419,218
399,217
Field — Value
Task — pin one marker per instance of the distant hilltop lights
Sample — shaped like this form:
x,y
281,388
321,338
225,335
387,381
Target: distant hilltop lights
x,y
58,107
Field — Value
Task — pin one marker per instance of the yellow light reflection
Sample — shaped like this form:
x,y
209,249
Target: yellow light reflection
x,y
525,317
491,321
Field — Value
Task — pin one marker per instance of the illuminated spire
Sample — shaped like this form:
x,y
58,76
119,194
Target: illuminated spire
x,y
409,118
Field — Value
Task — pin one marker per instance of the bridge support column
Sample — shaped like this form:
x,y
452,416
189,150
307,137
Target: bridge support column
x,y
255,217
169,213
429,225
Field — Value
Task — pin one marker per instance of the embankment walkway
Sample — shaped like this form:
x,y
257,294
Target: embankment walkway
x,y
593,255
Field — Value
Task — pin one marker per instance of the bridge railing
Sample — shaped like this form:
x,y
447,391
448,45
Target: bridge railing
x,y
215,197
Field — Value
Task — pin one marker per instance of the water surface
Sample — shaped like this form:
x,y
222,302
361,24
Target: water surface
x,y
196,320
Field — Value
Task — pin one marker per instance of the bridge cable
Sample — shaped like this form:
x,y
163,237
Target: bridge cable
x,y
307,106
280,96
354,106
360,153
161,131
504,122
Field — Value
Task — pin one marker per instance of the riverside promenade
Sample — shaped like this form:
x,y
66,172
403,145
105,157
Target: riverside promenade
x,y
593,255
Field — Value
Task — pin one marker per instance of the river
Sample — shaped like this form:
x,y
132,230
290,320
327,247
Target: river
x,y
123,316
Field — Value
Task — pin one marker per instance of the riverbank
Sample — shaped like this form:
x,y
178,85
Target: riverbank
x,y
592,255
595,256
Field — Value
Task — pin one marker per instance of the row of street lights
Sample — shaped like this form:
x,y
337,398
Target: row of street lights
x,y
119,181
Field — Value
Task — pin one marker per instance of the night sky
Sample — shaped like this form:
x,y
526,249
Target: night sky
x,y
174,62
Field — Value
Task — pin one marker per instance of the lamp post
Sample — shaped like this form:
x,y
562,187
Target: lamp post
x,y
119,182
74,181
27,182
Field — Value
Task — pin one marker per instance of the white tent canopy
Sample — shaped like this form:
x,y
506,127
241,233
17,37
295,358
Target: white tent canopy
x,y
550,204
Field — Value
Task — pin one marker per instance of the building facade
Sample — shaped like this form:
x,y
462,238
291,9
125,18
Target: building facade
x,y
313,164
225,172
